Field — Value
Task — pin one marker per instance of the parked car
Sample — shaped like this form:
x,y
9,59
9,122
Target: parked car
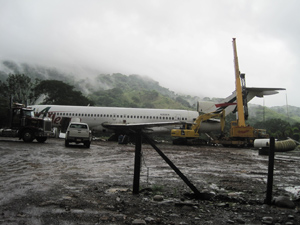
x,y
78,133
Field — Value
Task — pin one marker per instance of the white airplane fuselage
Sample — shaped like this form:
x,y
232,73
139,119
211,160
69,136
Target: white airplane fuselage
x,y
96,116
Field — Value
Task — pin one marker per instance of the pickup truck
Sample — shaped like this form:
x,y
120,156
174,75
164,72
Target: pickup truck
x,y
78,133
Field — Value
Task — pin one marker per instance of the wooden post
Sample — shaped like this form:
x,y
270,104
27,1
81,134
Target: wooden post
x,y
137,162
270,171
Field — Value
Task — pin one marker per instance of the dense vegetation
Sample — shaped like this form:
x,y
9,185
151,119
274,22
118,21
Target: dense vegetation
x,y
28,84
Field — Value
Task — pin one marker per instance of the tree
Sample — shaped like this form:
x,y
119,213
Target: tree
x,y
20,88
59,93
277,128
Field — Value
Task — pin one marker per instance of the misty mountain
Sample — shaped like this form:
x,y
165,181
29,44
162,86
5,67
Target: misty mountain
x,y
92,84
133,91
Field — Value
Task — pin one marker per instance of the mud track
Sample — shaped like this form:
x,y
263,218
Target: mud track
x,y
51,184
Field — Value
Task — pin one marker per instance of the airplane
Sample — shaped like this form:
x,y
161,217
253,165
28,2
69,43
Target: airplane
x,y
118,120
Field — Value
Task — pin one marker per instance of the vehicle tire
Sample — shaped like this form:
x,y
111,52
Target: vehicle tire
x,y
67,143
27,136
41,139
87,144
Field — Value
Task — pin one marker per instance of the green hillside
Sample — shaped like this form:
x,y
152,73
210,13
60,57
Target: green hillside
x,y
134,91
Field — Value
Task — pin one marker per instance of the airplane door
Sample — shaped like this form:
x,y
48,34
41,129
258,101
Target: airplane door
x,y
114,117
178,117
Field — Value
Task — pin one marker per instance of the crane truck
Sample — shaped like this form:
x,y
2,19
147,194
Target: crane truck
x,y
22,123
240,133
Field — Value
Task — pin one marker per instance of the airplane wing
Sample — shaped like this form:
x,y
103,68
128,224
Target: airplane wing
x,y
124,126
260,92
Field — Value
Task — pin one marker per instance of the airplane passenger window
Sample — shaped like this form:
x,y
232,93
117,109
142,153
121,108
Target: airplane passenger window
x,y
150,117
138,117
110,115
131,116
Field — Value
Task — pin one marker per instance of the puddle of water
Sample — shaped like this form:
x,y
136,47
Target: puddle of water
x,y
294,190
115,190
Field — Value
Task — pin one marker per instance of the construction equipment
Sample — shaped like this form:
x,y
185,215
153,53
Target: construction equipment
x,y
191,131
22,123
240,133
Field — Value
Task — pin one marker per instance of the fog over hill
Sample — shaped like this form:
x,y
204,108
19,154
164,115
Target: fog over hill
x,y
87,80
90,82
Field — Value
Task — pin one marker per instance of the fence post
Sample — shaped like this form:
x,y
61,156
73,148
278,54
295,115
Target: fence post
x,y
268,199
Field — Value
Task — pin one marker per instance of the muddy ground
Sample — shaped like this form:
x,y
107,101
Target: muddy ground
x,y
51,184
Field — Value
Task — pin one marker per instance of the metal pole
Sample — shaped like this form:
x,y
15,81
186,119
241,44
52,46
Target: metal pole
x,y
137,162
270,171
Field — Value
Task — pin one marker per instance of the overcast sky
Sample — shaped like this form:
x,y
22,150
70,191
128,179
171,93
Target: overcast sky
x,y
184,45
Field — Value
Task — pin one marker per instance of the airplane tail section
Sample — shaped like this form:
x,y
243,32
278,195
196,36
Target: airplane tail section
x,y
229,104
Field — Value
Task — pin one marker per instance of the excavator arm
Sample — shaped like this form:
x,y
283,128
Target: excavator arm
x,y
193,130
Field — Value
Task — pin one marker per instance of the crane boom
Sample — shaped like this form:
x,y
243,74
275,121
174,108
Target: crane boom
x,y
238,86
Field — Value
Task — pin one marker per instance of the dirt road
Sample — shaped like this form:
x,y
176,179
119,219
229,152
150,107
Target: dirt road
x,y
51,184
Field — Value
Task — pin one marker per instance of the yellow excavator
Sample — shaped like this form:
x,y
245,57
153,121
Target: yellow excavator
x,y
191,132
240,133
